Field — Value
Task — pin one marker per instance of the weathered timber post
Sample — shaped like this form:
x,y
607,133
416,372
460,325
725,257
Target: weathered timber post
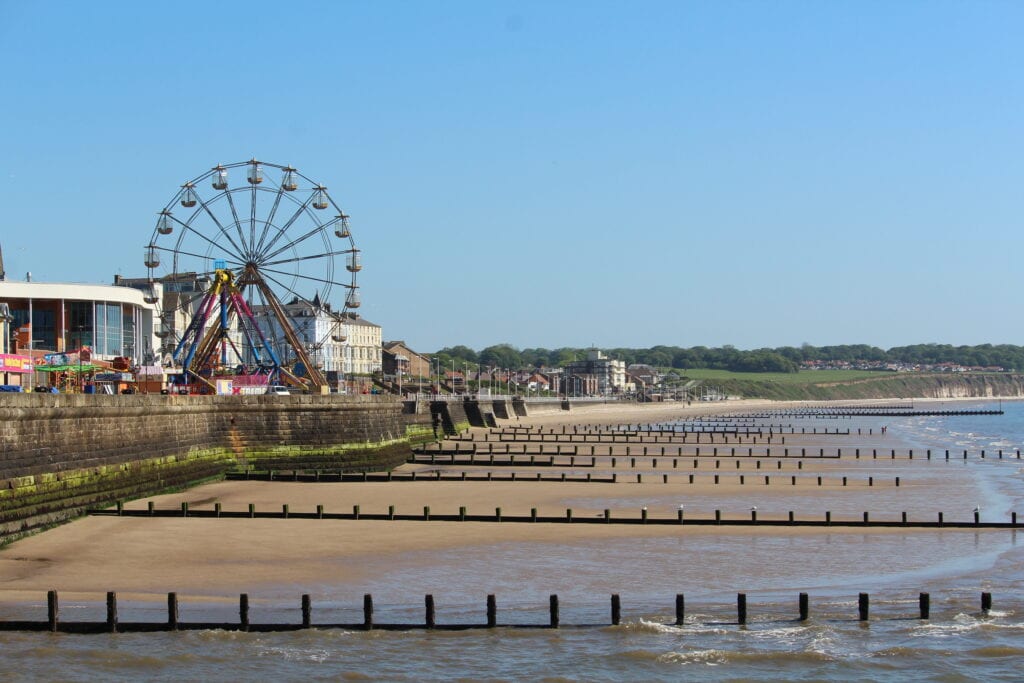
x,y
52,611
368,611
804,605
429,618
741,608
616,609
111,612
172,611
243,611
862,606
680,609
492,611
924,601
553,609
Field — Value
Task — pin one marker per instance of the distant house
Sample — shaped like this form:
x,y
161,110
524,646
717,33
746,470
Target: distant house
x,y
397,356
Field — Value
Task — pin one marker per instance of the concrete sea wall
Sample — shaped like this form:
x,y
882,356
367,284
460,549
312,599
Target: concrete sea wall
x,y
60,454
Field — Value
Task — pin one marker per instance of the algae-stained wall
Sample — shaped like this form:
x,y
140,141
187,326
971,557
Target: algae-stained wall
x,y
62,453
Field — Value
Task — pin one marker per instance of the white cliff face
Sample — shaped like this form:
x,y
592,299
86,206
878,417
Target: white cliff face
x,y
993,386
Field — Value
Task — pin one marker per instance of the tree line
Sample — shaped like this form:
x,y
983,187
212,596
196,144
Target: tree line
x,y
780,359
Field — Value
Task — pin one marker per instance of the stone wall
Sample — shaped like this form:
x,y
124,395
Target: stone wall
x,y
60,454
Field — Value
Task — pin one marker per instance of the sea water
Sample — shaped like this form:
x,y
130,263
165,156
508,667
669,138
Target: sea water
x,y
959,642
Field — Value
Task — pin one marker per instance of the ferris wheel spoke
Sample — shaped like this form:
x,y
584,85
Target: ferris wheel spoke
x,y
220,227
326,254
311,278
299,211
189,228
270,220
295,242
238,222
202,257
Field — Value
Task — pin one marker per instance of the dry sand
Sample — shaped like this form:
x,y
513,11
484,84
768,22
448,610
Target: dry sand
x,y
147,557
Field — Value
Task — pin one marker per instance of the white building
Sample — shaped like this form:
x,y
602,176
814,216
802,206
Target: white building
x,y
606,375
340,344
63,317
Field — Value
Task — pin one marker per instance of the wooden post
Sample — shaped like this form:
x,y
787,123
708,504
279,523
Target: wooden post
x,y
355,512
111,612
284,511
986,602
216,509
925,603
553,609
741,608
862,606
462,513
426,513
368,611
120,508
52,610
151,506
252,510
492,611
430,617
172,611
804,606
680,609
243,611
184,509
616,609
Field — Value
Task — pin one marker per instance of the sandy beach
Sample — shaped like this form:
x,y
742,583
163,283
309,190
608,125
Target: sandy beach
x,y
210,558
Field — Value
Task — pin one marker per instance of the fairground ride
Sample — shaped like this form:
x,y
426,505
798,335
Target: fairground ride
x,y
232,252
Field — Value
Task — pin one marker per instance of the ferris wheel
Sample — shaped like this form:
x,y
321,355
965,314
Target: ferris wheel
x,y
232,251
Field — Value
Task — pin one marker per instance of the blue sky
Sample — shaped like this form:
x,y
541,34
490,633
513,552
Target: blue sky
x,y
555,173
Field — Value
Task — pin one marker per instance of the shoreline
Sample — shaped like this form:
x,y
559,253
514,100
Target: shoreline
x,y
208,560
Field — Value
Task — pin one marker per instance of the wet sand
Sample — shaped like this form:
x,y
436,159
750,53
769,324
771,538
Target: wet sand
x,y
145,558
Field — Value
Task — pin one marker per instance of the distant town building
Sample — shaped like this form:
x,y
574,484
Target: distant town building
x,y
397,356
339,344
594,375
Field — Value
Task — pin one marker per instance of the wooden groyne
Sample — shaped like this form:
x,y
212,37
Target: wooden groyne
x,y
113,624
866,520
